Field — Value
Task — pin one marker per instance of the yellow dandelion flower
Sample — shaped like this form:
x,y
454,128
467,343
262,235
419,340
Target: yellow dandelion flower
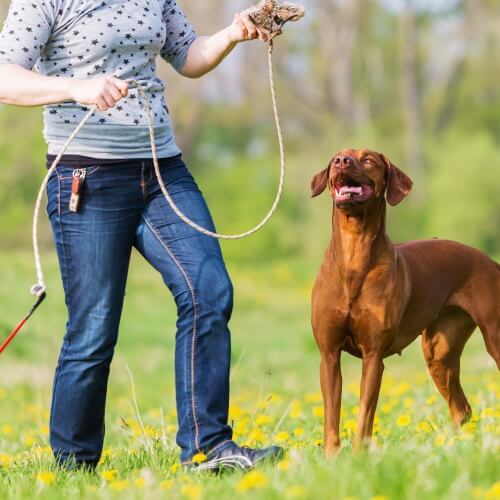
x,y
6,429
171,429
298,432
318,411
174,468
283,465
353,388
282,436
318,442
295,492
256,436
46,478
44,429
386,407
199,458
487,413
355,410
487,429
149,431
432,399
109,475
6,460
296,409
403,420
469,427
242,425
28,439
440,440
350,425
408,402
424,427
262,420
380,497
192,491
140,482
119,485
400,389
167,484
253,480
106,453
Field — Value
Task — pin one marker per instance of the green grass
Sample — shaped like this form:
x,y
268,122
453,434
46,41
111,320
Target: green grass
x,y
275,397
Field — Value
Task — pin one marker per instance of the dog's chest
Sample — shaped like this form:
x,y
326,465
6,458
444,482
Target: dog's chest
x,y
368,324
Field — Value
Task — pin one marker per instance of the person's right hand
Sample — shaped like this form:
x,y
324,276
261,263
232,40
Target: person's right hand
x,y
104,92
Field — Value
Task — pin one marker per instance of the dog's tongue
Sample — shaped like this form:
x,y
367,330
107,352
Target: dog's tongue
x,y
349,189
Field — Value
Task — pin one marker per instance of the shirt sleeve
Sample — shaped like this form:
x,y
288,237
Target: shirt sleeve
x,y
25,32
180,35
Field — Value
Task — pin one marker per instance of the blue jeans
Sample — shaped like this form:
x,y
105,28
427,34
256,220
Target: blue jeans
x,y
122,207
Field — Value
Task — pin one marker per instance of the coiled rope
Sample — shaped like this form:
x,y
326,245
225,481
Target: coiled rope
x,y
39,288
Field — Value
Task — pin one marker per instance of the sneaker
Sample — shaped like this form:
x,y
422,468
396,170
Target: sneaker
x,y
236,457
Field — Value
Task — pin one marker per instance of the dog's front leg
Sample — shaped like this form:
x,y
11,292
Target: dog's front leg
x,y
331,387
371,379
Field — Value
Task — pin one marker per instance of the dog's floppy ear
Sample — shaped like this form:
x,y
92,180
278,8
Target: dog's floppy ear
x,y
398,184
319,182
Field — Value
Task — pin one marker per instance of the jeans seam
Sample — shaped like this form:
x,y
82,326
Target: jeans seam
x,y
194,330
143,184
65,264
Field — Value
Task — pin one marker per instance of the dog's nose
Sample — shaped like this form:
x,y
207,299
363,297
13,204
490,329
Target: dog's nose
x,y
343,162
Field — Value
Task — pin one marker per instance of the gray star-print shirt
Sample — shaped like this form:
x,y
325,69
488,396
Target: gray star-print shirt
x,y
93,38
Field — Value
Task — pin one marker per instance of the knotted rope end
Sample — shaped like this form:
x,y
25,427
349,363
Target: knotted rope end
x,y
38,290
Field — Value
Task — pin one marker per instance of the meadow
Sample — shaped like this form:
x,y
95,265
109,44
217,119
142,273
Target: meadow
x,y
417,80
275,399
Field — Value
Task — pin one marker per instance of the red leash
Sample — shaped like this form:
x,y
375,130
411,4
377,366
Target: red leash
x,y
18,328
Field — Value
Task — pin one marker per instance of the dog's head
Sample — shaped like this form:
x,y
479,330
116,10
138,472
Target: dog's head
x,y
358,178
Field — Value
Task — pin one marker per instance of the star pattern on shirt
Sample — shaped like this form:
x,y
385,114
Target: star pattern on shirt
x,y
98,38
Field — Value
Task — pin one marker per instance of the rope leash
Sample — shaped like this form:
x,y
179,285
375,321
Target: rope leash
x,y
279,193
266,14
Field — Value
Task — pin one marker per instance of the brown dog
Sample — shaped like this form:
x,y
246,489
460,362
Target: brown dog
x,y
373,298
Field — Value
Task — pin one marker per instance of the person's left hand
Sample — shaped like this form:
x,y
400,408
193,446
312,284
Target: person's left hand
x,y
243,29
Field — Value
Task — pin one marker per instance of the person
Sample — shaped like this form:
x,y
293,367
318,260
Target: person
x,y
85,52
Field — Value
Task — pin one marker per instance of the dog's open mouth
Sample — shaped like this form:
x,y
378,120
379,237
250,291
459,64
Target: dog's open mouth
x,y
348,191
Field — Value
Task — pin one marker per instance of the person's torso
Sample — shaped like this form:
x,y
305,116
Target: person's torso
x,y
95,38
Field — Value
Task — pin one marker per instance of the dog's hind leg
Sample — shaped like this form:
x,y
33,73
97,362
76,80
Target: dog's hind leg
x,y
443,342
485,309
489,325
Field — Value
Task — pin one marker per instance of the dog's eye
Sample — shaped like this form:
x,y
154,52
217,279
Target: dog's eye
x,y
367,161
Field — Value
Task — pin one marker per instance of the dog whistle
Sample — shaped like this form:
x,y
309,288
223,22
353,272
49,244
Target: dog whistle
x,y
76,189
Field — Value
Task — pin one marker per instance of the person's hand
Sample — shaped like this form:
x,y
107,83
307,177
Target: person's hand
x,y
243,29
104,92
